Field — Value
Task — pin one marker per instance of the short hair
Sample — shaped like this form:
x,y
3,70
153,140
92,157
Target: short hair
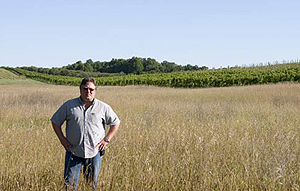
x,y
86,80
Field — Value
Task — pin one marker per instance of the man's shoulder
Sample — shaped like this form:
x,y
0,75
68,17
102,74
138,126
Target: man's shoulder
x,y
72,102
100,103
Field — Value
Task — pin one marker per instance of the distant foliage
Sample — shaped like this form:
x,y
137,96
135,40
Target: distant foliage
x,y
135,65
197,79
65,72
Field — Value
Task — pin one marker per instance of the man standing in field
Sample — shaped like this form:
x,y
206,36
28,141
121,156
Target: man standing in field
x,y
85,138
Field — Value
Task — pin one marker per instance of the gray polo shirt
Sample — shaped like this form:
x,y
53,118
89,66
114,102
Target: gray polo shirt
x,y
85,128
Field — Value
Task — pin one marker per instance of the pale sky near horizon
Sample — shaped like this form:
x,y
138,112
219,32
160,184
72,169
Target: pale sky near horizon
x,y
212,33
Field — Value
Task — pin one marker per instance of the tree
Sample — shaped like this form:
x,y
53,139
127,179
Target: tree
x,y
136,65
151,65
88,67
188,67
170,67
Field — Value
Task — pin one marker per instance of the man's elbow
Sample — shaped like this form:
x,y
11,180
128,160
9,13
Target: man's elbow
x,y
116,126
55,126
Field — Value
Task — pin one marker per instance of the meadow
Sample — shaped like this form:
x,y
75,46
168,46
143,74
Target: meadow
x,y
230,138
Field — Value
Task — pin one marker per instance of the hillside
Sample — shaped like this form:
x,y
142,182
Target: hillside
x,y
8,78
5,74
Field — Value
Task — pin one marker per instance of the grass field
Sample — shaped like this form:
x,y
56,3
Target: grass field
x,y
236,138
9,78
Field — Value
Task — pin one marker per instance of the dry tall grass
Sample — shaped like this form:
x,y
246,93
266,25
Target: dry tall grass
x,y
237,138
9,78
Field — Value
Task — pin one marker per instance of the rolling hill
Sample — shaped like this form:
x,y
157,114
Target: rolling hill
x,y
8,78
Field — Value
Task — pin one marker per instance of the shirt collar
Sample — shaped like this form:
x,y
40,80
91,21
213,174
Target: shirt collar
x,y
80,100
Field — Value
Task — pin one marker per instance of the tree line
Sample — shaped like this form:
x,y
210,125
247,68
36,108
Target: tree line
x,y
115,67
65,72
134,65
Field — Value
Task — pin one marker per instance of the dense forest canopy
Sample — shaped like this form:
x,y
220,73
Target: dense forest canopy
x,y
134,65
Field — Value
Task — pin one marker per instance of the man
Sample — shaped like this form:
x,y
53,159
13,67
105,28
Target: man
x,y
85,138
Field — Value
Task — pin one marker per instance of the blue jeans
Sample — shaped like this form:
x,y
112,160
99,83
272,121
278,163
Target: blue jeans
x,y
73,164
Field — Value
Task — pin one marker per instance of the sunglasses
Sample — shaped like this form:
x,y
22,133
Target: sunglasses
x,y
91,89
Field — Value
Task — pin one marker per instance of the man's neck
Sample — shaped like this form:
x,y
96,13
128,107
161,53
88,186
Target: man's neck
x,y
86,103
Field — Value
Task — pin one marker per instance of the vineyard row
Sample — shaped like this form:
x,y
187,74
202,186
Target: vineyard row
x,y
197,79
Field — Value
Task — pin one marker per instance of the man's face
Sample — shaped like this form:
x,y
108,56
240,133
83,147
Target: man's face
x,y
88,92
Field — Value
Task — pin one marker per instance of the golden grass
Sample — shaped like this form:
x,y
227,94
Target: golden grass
x,y
9,78
5,74
236,138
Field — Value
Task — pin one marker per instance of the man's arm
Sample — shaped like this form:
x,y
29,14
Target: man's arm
x,y
63,140
111,132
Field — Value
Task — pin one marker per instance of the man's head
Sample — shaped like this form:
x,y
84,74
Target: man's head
x,y
88,89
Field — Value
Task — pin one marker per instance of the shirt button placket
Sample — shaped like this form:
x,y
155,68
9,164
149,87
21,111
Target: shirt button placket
x,y
84,131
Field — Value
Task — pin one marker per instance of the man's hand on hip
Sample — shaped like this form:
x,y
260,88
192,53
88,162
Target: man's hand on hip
x,y
101,145
66,144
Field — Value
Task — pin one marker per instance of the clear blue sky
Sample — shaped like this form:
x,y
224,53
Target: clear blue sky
x,y
212,33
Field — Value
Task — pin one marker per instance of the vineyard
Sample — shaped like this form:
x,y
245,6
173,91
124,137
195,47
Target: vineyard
x,y
197,79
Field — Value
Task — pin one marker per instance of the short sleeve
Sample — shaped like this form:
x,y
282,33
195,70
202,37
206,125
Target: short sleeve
x,y
111,117
60,115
